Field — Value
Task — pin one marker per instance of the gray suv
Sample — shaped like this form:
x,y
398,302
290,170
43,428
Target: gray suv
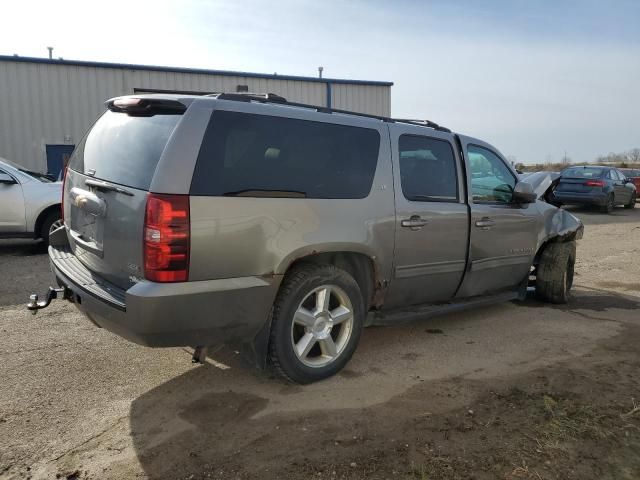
x,y
284,229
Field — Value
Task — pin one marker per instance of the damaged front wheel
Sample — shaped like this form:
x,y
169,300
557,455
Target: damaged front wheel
x,y
554,273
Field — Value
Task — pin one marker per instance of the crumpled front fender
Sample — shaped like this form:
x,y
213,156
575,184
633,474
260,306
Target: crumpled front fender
x,y
558,225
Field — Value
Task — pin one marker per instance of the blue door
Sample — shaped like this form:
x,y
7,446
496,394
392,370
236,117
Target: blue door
x,y
57,158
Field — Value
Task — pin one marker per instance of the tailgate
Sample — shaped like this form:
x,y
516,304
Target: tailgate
x,y
106,190
105,228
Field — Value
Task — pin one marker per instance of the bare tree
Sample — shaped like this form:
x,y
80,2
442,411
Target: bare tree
x,y
633,155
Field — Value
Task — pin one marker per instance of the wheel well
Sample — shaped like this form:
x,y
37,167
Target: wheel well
x,y
40,220
556,239
359,266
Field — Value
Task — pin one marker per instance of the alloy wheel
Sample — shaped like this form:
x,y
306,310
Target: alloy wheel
x,y
322,326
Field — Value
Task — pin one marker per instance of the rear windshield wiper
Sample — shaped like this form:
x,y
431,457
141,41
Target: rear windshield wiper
x,y
265,192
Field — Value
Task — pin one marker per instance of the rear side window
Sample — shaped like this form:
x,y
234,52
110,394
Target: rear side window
x,y
124,149
427,169
266,156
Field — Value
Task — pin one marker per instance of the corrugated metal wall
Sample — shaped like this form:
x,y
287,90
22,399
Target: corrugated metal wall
x,y
44,103
372,99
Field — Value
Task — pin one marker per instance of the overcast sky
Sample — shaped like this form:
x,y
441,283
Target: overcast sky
x,y
535,78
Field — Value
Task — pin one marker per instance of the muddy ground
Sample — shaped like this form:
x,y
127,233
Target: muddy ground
x,y
511,391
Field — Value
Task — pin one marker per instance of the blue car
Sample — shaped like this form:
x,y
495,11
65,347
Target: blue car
x,y
604,187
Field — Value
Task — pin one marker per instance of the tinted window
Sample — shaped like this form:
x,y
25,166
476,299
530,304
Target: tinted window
x,y
630,173
427,169
491,179
260,155
124,149
583,172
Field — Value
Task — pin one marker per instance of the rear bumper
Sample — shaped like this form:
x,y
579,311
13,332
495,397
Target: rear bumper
x,y
576,198
210,312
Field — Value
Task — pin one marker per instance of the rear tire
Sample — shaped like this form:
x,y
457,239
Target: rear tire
x,y
632,202
50,221
313,338
611,203
554,274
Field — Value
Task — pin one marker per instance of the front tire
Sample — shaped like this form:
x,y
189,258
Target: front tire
x,y
554,274
632,202
316,323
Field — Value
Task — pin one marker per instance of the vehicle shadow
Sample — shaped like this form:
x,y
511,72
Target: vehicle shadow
x,y
22,247
218,417
597,300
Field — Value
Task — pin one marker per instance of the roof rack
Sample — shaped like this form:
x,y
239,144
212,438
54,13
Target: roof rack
x,y
277,99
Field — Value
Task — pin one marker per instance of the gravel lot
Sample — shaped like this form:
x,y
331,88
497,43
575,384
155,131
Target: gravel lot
x,y
509,391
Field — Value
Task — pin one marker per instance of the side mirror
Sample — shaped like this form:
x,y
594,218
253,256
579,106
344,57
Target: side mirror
x,y
6,179
524,193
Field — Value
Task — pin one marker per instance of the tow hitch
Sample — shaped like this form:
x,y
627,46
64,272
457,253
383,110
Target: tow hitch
x,y
34,305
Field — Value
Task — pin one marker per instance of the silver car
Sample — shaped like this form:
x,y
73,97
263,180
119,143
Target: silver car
x,y
30,202
284,229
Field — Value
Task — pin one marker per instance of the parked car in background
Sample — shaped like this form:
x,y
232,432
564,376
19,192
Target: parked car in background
x,y
285,229
632,174
29,202
604,187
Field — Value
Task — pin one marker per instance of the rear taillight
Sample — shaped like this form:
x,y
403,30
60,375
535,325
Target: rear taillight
x,y
594,183
166,238
64,182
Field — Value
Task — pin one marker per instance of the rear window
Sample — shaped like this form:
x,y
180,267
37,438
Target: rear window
x,y
124,149
267,156
630,172
583,172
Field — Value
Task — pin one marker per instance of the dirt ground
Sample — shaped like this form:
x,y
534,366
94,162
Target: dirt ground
x,y
511,391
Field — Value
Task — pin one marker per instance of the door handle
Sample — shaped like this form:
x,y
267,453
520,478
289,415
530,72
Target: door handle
x,y
414,223
485,223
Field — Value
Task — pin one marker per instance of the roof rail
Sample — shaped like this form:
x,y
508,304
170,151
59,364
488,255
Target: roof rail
x,y
277,99
426,123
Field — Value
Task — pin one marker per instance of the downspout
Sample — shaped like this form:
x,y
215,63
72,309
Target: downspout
x,y
329,95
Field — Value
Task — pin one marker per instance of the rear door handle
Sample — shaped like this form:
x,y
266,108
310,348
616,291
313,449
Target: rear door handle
x,y
485,223
414,223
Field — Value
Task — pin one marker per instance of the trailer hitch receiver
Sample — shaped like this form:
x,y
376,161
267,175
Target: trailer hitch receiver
x,y
34,305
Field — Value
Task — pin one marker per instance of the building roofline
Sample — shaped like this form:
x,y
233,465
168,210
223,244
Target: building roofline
x,y
157,68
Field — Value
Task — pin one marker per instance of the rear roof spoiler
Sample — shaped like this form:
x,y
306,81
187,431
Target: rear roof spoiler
x,y
145,106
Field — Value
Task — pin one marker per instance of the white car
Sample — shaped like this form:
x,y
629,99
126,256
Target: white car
x,y
29,202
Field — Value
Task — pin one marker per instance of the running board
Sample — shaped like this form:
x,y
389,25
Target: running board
x,y
419,312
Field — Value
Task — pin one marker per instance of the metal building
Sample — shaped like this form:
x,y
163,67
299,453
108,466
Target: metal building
x,y
47,105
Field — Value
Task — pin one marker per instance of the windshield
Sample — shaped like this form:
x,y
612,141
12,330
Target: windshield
x,y
36,175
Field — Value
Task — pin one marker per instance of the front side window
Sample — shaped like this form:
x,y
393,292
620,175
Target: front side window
x,y
267,156
491,179
427,169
